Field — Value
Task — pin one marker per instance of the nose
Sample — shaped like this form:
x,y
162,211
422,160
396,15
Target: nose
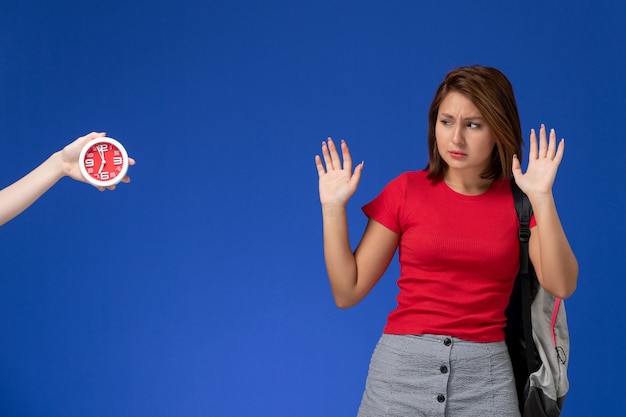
x,y
457,135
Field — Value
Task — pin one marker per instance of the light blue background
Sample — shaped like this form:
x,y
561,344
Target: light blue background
x,y
200,289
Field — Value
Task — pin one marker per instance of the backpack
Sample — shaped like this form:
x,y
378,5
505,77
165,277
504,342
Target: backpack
x,y
536,332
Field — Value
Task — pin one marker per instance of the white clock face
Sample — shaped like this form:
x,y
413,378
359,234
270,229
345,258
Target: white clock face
x,y
103,162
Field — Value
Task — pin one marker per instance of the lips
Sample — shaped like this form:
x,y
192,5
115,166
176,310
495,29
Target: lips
x,y
457,154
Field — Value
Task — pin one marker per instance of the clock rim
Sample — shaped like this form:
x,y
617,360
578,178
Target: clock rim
x,y
94,181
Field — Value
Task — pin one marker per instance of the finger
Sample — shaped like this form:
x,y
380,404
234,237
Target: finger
x,y
320,167
334,154
325,153
82,140
543,143
347,158
532,153
131,161
552,143
93,135
559,152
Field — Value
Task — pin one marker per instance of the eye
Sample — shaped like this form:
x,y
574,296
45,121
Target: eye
x,y
446,122
473,125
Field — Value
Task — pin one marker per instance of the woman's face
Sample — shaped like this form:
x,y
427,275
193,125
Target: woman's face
x,y
464,140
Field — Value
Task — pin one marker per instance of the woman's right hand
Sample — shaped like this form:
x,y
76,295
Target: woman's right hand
x,y
69,159
337,182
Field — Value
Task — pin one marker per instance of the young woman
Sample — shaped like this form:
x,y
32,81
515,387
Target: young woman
x,y
18,196
442,352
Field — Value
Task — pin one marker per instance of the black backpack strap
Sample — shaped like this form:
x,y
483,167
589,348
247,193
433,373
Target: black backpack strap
x,y
524,213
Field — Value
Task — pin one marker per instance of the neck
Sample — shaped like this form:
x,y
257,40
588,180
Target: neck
x,y
467,185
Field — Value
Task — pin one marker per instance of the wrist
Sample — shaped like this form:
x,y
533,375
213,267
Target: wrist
x,y
333,209
539,201
56,167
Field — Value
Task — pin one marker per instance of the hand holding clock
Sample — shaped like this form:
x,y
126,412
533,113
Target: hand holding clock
x,y
74,154
18,196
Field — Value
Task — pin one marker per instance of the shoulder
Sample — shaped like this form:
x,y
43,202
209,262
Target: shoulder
x,y
420,175
394,194
412,178
407,185
417,183
415,187
406,182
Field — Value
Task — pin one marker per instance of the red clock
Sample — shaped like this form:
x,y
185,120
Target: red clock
x,y
103,162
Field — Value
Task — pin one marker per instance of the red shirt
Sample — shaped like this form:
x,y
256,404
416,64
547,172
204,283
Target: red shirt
x,y
458,254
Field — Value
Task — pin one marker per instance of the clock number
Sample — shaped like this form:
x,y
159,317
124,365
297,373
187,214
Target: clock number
x,y
103,161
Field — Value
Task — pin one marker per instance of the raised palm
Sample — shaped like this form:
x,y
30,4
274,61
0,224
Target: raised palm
x,y
337,182
543,162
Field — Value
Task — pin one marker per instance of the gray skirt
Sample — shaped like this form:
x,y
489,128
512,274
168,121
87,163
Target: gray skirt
x,y
439,376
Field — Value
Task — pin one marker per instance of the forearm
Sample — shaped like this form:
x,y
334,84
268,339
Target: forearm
x,y
559,267
340,261
18,196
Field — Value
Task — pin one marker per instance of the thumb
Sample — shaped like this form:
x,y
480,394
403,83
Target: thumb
x,y
516,168
356,177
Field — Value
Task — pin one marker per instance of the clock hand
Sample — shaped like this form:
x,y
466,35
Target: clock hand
x,y
103,161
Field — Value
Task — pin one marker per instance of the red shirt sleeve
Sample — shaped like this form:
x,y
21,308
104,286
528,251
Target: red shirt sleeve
x,y
387,206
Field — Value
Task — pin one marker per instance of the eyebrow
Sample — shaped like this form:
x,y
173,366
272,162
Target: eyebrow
x,y
467,118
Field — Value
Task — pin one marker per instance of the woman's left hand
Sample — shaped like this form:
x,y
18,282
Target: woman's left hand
x,y
550,253
543,163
